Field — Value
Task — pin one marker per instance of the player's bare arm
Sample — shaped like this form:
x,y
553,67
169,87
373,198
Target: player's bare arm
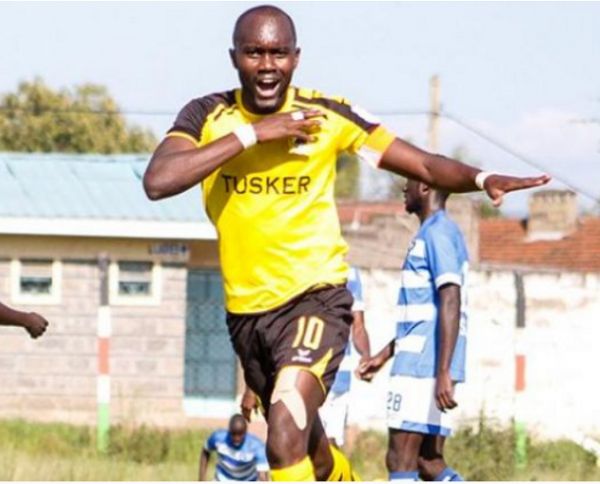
x,y
33,323
204,458
367,370
360,337
448,174
449,327
248,404
178,164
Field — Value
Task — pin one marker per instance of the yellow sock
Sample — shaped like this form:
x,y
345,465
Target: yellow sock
x,y
303,471
342,470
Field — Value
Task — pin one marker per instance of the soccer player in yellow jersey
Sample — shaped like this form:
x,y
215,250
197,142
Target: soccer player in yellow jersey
x,y
265,156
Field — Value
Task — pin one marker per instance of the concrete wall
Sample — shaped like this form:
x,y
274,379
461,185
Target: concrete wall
x,y
54,377
561,337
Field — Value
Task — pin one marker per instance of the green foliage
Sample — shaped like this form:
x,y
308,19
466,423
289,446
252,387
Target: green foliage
x,y
487,209
348,173
368,455
37,118
42,451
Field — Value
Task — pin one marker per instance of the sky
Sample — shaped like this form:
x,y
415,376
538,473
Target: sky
x,y
525,74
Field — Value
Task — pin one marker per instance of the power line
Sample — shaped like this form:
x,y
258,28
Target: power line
x,y
498,144
525,159
98,112
383,112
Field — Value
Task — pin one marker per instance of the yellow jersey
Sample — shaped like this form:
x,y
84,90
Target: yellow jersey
x,y
273,204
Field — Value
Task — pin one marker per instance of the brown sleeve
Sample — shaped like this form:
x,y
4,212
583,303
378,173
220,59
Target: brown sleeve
x,y
192,117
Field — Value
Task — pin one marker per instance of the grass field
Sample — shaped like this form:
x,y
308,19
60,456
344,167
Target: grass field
x,y
33,451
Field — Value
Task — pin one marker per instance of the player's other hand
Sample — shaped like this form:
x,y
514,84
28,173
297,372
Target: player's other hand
x,y
35,325
249,404
368,368
497,185
444,392
300,124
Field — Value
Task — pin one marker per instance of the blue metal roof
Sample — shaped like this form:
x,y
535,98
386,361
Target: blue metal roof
x,y
87,187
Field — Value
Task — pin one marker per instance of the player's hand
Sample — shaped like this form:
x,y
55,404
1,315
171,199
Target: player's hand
x,y
444,392
249,404
368,368
35,325
299,124
497,185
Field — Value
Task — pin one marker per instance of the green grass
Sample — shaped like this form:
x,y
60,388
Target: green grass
x,y
41,452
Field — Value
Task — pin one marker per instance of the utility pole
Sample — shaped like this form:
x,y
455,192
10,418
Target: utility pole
x,y
434,113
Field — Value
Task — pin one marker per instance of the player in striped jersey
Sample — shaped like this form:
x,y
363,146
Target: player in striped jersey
x,y
430,343
334,411
240,455
265,155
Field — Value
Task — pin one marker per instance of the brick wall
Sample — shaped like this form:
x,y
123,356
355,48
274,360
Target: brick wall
x,y
54,377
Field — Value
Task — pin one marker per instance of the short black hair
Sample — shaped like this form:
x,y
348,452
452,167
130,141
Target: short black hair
x,y
266,10
237,419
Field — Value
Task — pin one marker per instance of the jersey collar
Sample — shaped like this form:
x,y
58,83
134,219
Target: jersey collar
x,y
287,105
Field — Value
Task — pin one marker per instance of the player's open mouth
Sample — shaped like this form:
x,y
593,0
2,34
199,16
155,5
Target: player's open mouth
x,y
267,88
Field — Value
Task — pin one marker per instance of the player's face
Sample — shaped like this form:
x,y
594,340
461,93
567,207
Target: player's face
x,y
265,57
412,196
237,436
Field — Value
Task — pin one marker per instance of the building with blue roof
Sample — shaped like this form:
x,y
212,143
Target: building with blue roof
x,y
62,217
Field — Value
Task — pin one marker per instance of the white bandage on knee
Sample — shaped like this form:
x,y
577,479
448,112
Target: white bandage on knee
x,y
286,392
298,115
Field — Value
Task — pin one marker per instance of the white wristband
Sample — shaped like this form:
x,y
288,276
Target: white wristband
x,y
246,134
481,177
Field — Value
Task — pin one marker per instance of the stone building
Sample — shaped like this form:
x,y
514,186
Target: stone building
x,y
542,272
170,357
170,360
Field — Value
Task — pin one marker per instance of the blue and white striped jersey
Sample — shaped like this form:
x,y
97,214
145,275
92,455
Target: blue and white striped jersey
x,y
343,378
436,256
241,463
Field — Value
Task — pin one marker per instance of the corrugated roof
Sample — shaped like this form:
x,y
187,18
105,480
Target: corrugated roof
x,y
67,186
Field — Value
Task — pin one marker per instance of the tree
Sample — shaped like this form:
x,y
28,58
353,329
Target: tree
x,y
37,118
348,173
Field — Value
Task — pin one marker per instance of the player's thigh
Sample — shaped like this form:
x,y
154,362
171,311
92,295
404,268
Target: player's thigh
x,y
244,335
404,443
432,447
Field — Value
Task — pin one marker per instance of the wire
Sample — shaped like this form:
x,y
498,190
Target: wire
x,y
525,159
382,112
499,144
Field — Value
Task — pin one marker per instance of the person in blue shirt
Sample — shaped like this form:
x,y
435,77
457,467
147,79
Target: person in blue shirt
x,y
240,455
430,343
334,412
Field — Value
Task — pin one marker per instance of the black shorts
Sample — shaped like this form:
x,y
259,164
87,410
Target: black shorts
x,y
311,331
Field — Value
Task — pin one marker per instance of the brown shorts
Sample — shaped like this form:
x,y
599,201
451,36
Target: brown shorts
x,y
311,331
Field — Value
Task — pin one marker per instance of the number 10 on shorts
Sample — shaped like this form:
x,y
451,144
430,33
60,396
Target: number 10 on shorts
x,y
310,332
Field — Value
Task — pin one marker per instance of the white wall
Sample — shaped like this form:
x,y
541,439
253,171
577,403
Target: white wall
x,y
562,344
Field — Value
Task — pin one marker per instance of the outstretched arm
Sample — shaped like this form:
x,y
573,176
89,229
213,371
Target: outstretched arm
x,y
33,323
178,163
450,175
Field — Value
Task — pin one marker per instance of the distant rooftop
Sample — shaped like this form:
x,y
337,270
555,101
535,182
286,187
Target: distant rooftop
x,y
72,188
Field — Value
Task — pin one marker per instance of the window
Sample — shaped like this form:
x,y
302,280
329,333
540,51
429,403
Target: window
x,y
135,283
36,281
210,377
